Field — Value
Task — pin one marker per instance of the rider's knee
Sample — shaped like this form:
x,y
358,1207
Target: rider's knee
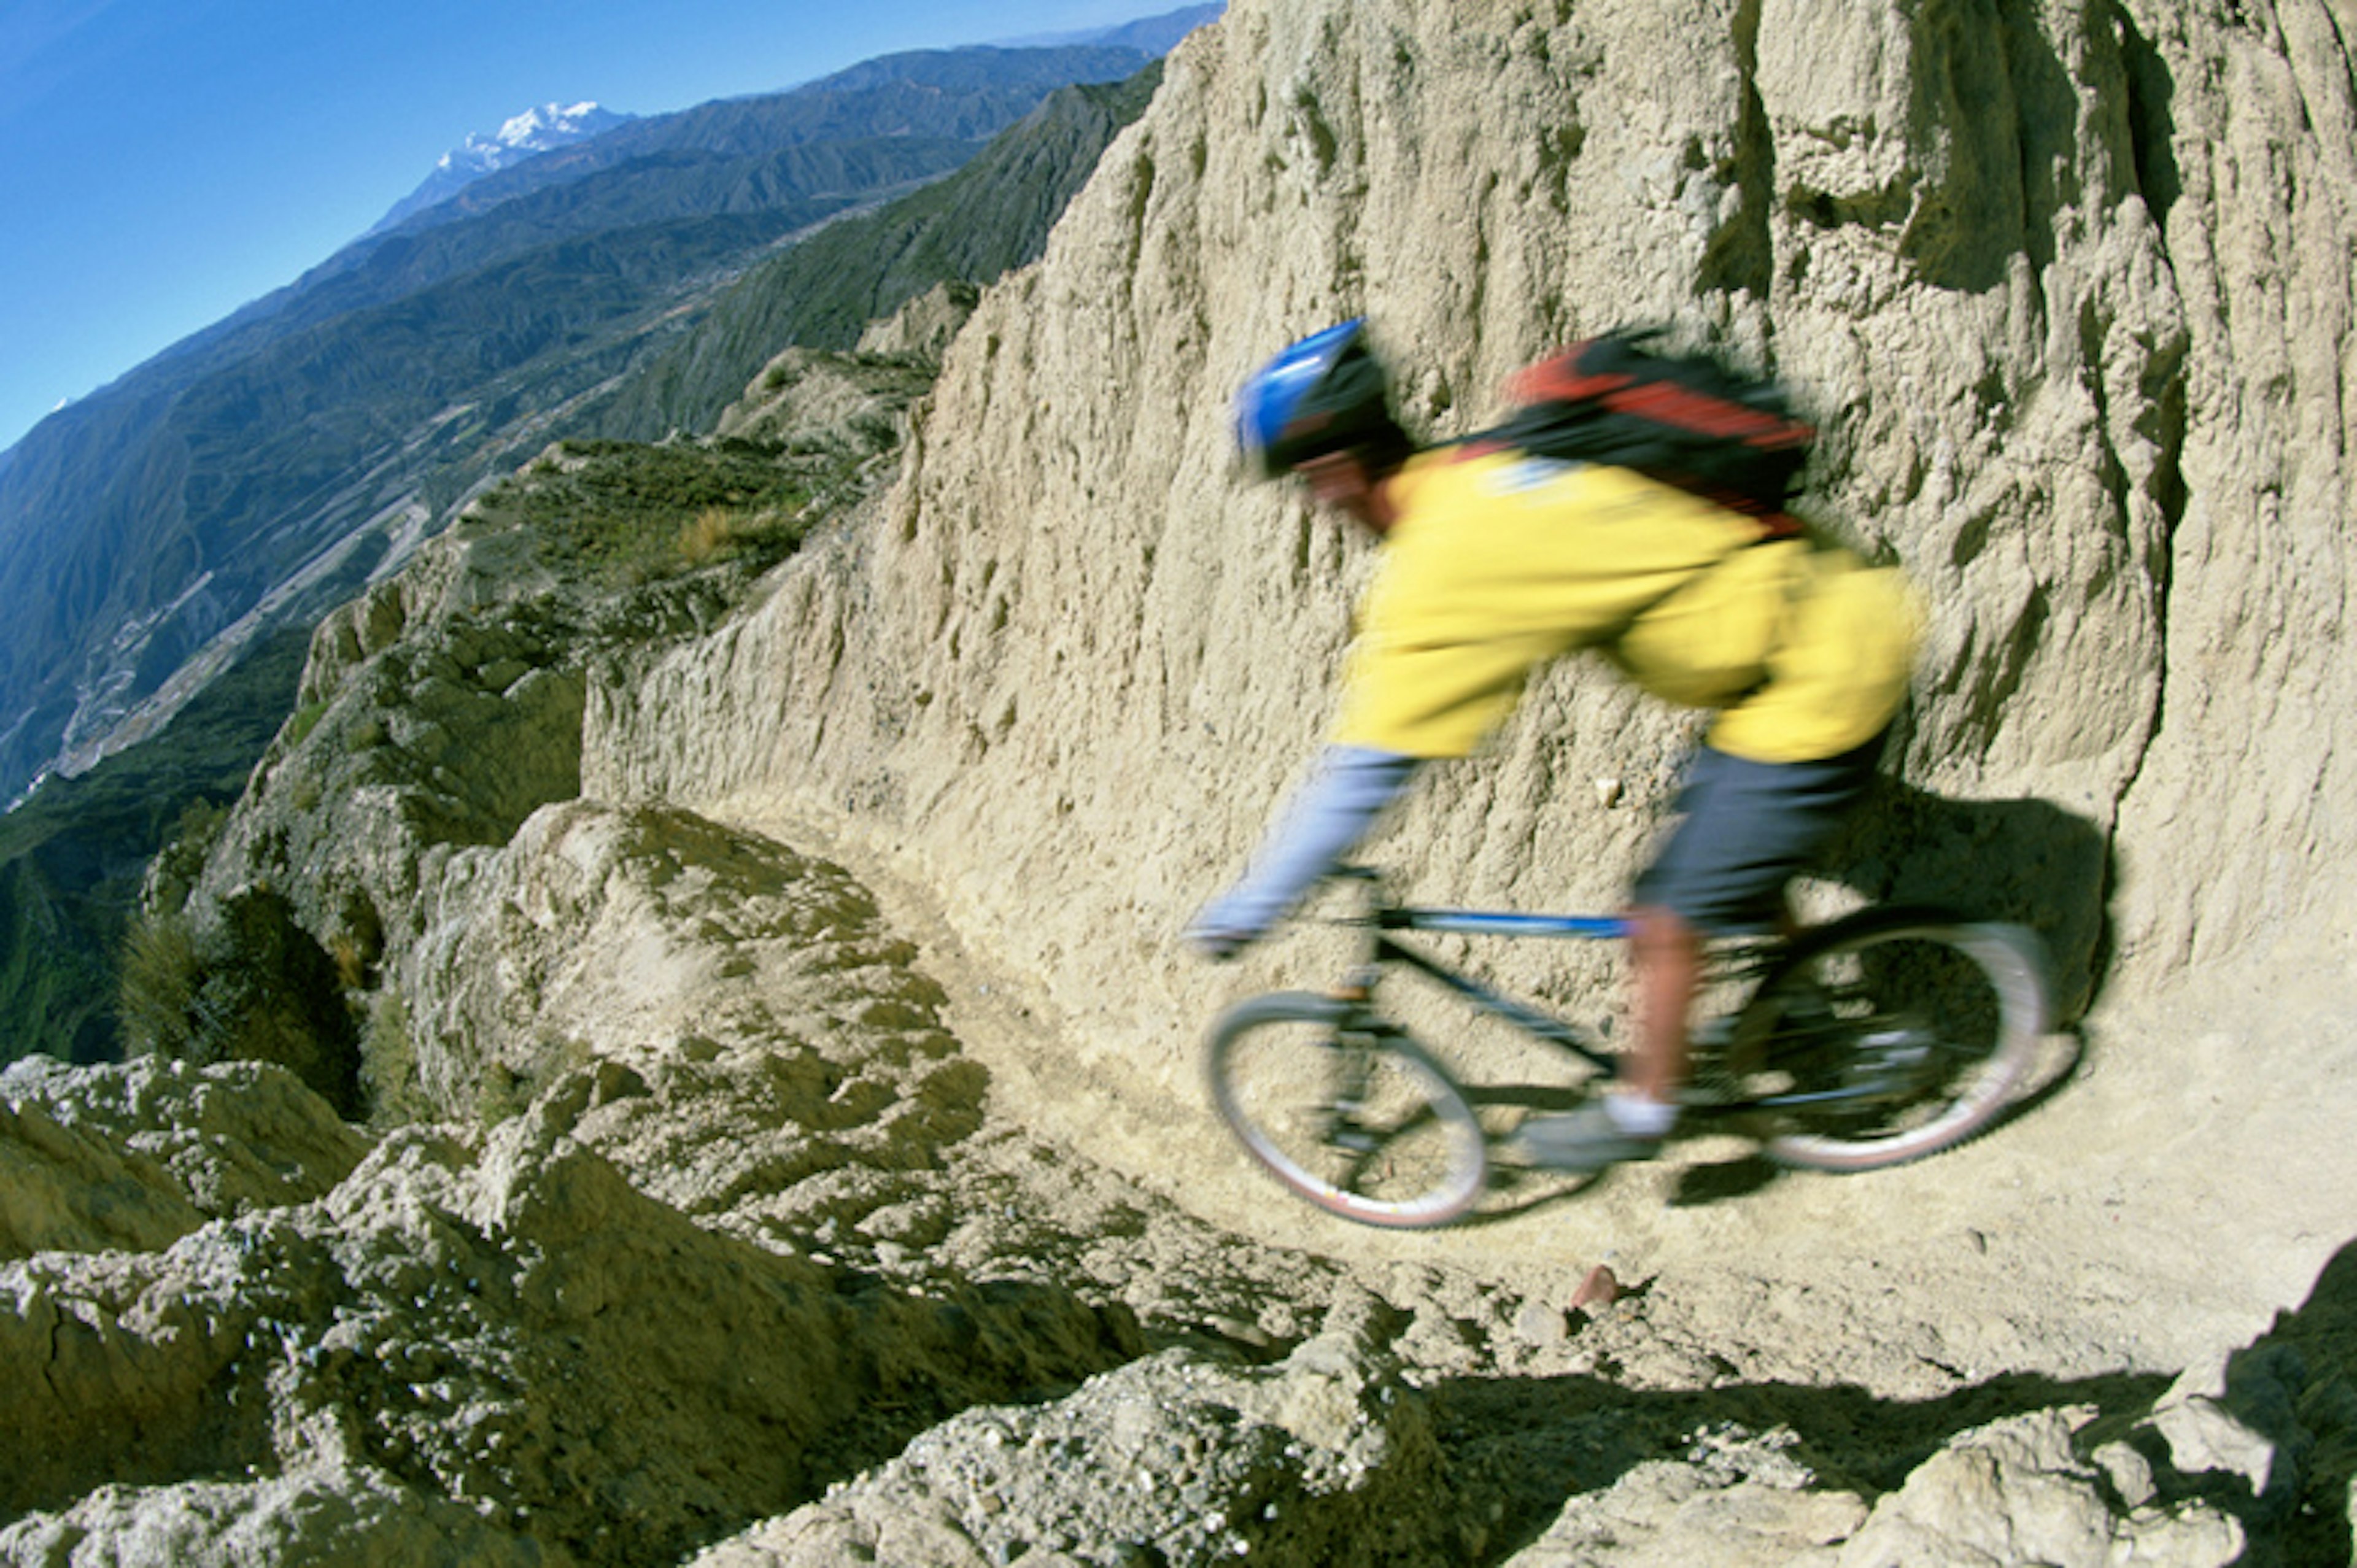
x,y
1656,932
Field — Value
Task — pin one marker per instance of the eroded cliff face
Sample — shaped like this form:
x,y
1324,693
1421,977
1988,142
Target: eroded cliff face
x,y
2068,289
747,1175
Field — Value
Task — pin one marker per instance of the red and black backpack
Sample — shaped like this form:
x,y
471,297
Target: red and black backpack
x,y
1683,419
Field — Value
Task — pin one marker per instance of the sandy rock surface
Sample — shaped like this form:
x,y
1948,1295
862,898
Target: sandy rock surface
x,y
136,1156
814,1292
805,1159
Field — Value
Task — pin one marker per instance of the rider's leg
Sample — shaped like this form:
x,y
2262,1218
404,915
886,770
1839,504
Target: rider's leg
x,y
1629,1123
1666,955
1748,828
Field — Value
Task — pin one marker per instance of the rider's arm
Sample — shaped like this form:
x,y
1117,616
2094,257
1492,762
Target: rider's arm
x,y
1325,820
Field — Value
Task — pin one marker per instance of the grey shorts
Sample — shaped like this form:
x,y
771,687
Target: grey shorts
x,y
1748,828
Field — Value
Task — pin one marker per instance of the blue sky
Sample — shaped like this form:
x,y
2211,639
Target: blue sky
x,y
162,162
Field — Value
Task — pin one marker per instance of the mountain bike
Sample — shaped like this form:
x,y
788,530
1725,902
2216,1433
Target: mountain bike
x,y
1872,1039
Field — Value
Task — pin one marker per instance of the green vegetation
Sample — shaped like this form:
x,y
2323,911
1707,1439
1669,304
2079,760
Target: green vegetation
x,y
71,858
157,984
251,986
306,717
621,512
503,1093
388,1070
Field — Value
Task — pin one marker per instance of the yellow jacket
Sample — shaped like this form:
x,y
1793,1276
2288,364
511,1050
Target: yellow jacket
x,y
1498,561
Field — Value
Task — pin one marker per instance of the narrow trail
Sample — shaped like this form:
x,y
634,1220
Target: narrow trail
x,y
2027,1254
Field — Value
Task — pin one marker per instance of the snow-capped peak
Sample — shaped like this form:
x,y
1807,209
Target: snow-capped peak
x,y
534,131
549,119
520,137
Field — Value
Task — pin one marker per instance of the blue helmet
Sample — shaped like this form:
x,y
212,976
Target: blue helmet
x,y
1326,394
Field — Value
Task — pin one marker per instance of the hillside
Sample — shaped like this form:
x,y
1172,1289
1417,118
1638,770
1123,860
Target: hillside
x,y
786,1140
72,859
989,218
59,938
257,472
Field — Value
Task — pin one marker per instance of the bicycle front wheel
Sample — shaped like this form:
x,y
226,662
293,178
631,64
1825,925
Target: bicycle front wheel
x,y
1897,1032
1347,1110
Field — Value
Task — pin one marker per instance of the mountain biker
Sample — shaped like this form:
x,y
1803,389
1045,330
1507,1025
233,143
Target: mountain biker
x,y
1493,563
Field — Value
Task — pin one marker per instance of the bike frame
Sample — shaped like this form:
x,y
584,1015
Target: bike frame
x,y
1386,950
1479,923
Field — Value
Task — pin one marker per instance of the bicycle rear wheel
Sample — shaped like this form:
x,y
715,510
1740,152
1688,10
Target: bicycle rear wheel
x,y
1895,1033
1346,1111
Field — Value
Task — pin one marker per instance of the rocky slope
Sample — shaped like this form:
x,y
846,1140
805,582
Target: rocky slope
x,y
253,475
2076,356
807,1165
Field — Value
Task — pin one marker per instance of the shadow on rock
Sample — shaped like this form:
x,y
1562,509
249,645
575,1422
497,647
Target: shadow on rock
x,y
2248,1460
2025,860
2268,1434
1580,1465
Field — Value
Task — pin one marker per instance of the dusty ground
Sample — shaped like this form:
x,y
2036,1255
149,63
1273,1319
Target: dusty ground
x,y
2122,1223
815,1250
2108,1252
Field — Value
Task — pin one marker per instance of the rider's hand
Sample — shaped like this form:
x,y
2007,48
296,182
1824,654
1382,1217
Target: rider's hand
x,y
1217,934
1217,946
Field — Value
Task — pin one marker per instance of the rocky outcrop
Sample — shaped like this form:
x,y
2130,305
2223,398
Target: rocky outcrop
x,y
443,706
508,1334
925,325
2065,289
1179,1457
827,1218
134,1157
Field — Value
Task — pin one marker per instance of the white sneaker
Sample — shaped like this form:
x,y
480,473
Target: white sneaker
x,y
1581,1141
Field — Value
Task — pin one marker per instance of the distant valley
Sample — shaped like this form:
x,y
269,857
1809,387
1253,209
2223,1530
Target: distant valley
x,y
168,530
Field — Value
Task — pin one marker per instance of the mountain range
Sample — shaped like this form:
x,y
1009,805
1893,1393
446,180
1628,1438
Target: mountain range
x,y
218,498
524,135
259,470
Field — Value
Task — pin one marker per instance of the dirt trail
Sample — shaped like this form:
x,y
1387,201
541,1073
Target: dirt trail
x,y
2087,1238
1810,1345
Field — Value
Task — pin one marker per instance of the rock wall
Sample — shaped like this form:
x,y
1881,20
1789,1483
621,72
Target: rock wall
x,y
2067,288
